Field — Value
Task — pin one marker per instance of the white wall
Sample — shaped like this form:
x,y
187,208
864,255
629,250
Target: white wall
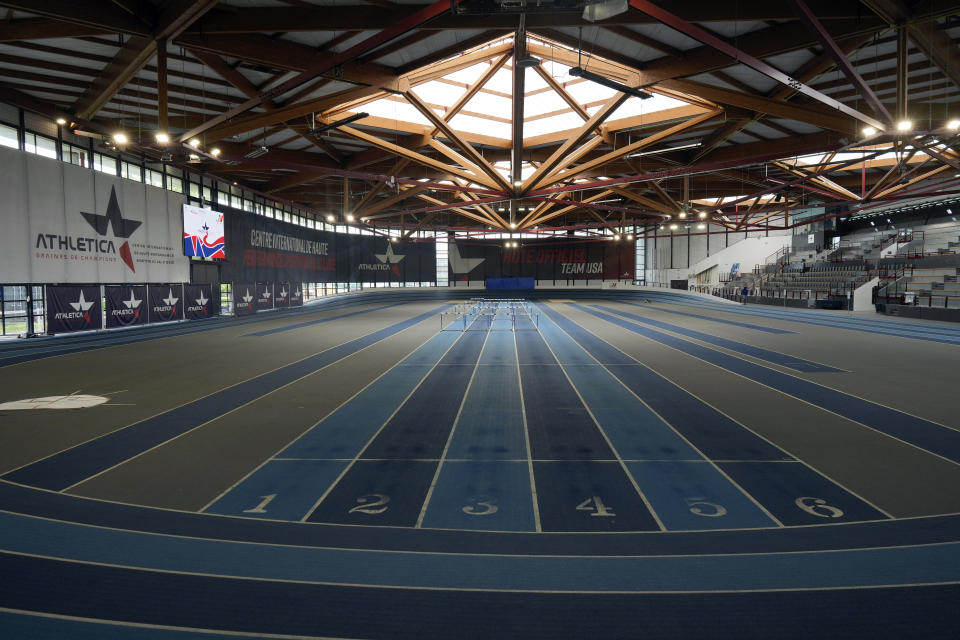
x,y
709,251
863,296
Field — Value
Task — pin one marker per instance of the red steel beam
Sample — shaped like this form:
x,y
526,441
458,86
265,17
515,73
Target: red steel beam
x,y
843,63
693,31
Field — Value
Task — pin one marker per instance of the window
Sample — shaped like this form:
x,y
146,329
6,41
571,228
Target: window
x,y
105,164
174,184
76,155
40,145
154,178
8,137
131,171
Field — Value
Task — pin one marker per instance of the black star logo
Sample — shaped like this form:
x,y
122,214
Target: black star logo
x,y
122,227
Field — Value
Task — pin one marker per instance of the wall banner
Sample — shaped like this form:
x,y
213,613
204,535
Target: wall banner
x,y
68,224
264,296
543,260
126,306
377,259
244,299
296,294
73,309
198,301
166,302
266,250
281,295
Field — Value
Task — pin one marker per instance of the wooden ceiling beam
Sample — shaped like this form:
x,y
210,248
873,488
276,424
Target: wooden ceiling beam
x,y
558,159
98,15
415,157
634,146
441,127
137,51
823,118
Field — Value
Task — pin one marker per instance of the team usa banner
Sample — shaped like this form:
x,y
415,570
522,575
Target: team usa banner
x,y
73,309
244,299
126,306
543,260
166,302
198,303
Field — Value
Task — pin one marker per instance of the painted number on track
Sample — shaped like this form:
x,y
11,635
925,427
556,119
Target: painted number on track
x,y
818,507
482,506
701,507
371,504
262,507
595,504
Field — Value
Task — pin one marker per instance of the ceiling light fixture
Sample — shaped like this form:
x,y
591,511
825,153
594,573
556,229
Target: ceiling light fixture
x,y
692,145
256,153
596,10
195,143
330,217
61,121
579,72
953,125
904,125
869,131
161,137
350,217
215,152
120,138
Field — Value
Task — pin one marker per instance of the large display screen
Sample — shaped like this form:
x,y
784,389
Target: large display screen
x,y
203,233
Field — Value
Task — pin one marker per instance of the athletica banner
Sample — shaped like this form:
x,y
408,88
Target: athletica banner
x,y
281,295
126,306
198,302
73,309
543,260
166,302
244,299
65,223
296,294
377,259
264,296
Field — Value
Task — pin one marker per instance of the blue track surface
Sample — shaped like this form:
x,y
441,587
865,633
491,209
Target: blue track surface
x,y
921,433
76,464
443,436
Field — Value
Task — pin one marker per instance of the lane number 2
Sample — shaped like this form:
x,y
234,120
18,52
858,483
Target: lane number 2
x,y
371,504
595,504
818,507
262,507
